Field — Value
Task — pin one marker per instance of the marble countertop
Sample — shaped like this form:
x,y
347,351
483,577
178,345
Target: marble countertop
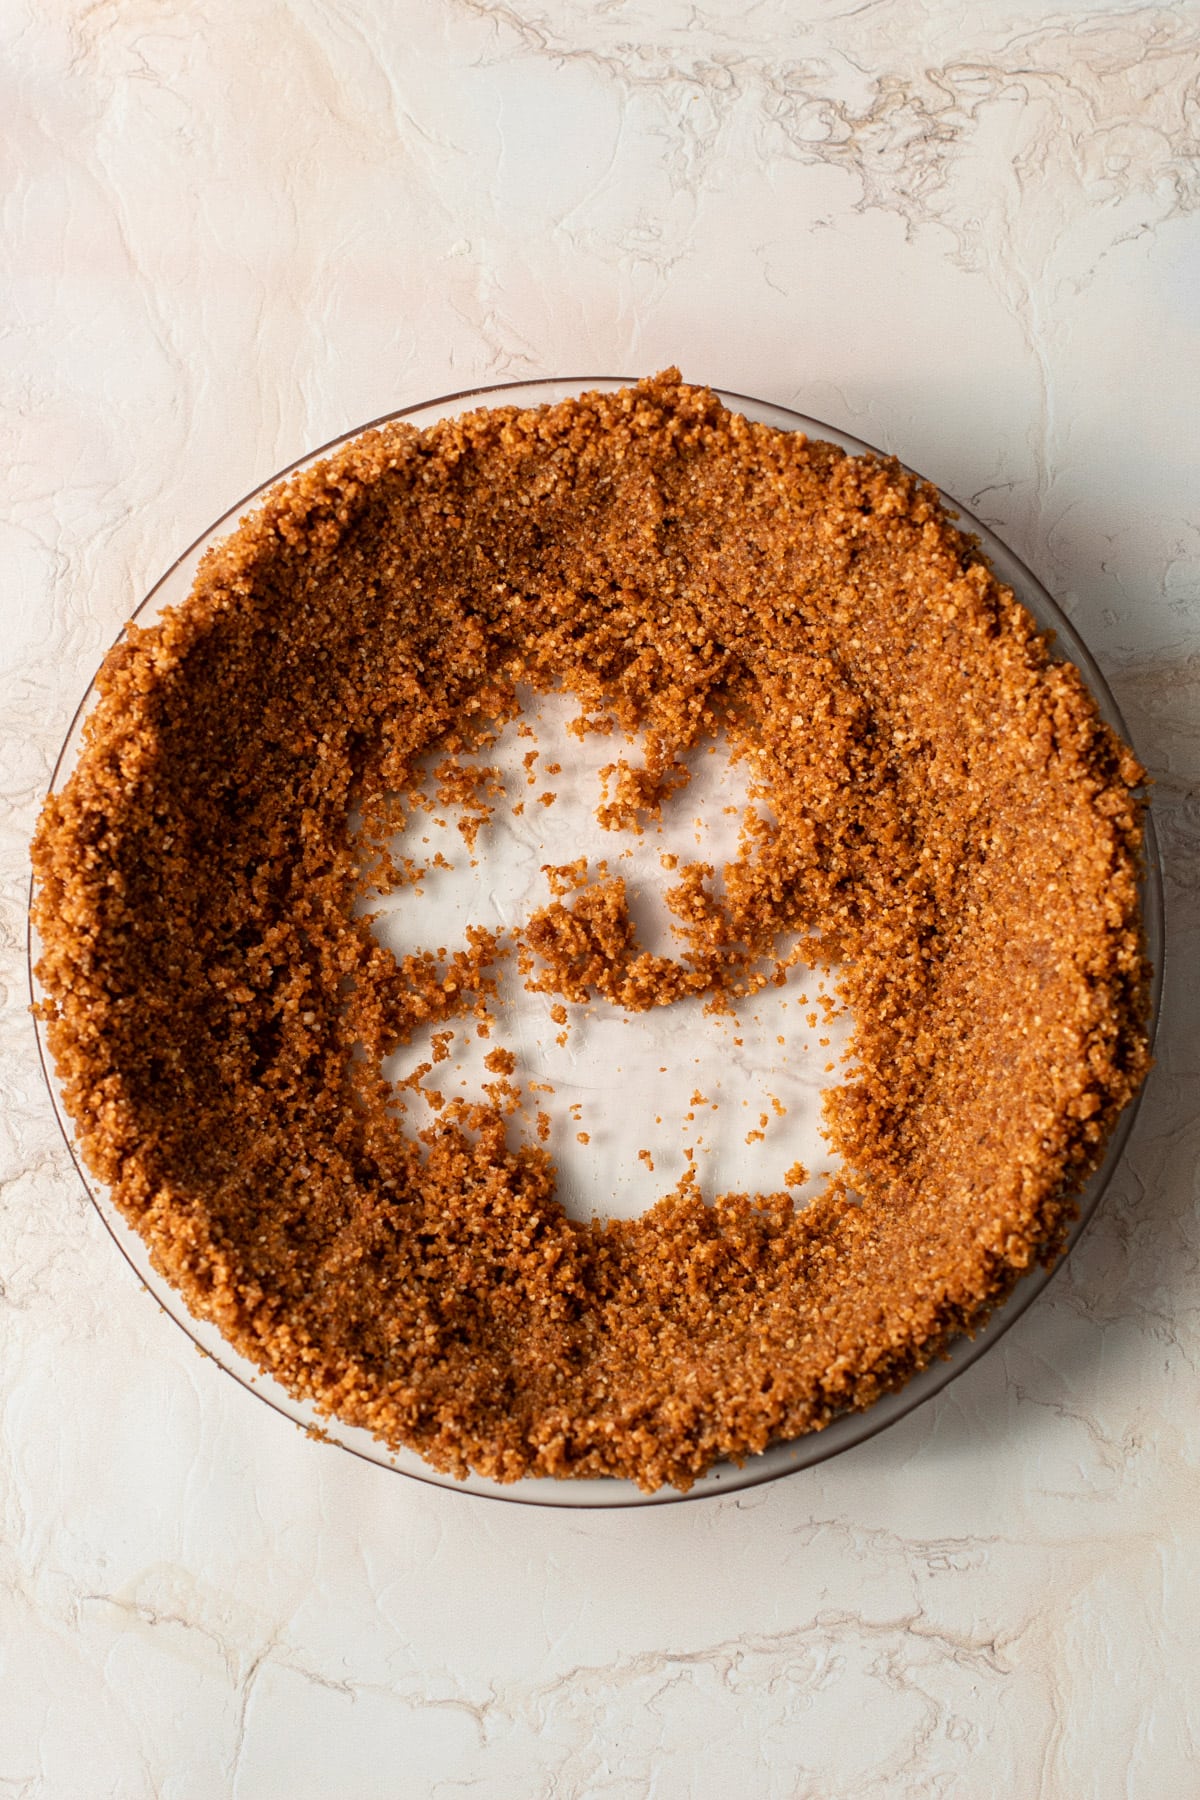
x,y
968,235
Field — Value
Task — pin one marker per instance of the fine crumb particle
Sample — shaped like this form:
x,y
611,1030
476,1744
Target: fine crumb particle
x,y
935,808
558,1013
567,878
645,1156
796,1176
755,1137
583,1137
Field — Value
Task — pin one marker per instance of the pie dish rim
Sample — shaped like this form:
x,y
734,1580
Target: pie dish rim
x,y
779,1459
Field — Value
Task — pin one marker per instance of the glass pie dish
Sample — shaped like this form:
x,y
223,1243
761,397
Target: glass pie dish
x,y
608,1044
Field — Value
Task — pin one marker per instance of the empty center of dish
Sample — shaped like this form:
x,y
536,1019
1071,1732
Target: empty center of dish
x,y
626,1102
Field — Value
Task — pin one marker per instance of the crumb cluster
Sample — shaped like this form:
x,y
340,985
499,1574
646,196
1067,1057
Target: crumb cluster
x,y
937,805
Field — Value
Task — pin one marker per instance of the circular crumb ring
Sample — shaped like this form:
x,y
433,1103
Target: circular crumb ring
x,y
948,808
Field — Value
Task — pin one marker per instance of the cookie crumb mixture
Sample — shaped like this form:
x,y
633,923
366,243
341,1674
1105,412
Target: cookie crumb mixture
x,y
936,804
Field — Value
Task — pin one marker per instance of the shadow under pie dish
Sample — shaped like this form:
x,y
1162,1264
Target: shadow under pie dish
x,y
943,807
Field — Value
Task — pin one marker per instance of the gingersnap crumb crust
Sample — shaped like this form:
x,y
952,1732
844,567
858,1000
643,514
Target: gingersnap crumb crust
x,y
939,805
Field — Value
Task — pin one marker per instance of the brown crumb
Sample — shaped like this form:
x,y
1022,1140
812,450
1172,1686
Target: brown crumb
x,y
940,810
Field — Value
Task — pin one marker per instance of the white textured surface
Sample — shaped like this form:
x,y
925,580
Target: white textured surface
x,y
967,234
641,1090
